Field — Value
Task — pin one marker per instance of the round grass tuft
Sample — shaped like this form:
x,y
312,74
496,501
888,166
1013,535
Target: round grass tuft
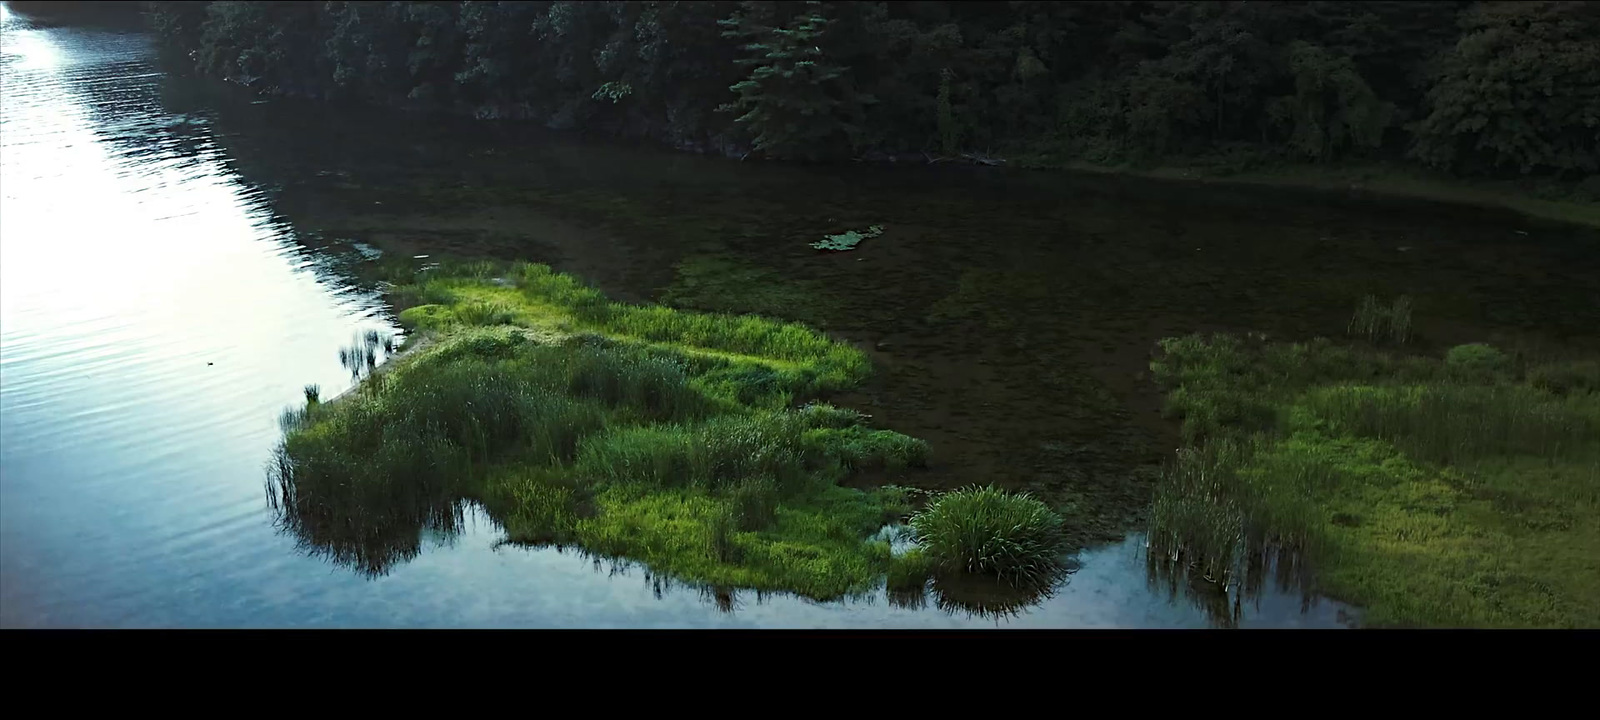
x,y
1477,360
986,530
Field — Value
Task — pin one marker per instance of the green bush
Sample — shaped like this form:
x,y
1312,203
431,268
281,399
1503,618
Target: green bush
x,y
1476,360
986,530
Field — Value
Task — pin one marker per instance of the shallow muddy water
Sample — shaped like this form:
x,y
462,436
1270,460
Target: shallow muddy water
x,y
178,259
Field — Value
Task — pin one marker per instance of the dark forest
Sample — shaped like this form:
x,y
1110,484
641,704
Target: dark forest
x,y
1470,88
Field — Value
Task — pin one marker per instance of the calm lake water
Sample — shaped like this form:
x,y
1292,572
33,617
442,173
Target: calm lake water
x,y
178,259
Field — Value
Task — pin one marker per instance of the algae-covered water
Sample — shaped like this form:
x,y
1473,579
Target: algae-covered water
x,y
178,259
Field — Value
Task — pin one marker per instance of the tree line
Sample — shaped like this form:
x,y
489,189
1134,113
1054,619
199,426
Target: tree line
x,y
1472,88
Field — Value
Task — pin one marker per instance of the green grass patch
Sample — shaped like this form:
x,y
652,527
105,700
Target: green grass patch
x,y
1455,491
640,433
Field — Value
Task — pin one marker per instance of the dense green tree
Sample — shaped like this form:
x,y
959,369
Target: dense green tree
x,y
1470,87
1333,109
1520,89
797,101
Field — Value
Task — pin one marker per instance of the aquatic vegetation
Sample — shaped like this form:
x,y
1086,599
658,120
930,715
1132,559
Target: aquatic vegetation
x,y
1378,323
847,240
1428,491
725,284
986,530
639,433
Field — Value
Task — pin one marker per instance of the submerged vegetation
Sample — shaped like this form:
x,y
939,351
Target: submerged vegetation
x,y
726,284
1455,492
847,240
693,443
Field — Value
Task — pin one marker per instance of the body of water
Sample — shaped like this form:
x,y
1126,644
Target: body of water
x,y
178,260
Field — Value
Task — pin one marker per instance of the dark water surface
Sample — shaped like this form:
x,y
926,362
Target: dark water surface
x,y
178,259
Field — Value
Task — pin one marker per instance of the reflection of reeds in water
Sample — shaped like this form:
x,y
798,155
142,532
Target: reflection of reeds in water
x,y
363,528
1223,603
914,599
1218,534
362,356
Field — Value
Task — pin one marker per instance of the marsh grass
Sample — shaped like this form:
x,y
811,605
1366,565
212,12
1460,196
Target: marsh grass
x,y
860,448
1576,377
1228,510
988,531
1225,385
1417,488
644,434
910,572
1377,322
709,456
1457,425
1400,320
747,358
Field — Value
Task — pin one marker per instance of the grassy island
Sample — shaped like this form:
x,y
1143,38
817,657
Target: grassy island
x,y
1455,491
690,442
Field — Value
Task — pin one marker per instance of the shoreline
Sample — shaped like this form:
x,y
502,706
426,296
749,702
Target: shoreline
x,y
1375,180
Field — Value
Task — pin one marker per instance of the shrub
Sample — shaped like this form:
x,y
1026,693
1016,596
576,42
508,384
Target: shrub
x,y
986,530
1569,378
1476,360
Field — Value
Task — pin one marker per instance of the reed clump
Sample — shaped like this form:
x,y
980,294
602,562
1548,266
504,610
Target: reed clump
x,y
1377,322
988,531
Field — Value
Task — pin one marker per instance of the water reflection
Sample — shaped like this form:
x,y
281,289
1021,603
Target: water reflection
x,y
385,531
1268,572
975,596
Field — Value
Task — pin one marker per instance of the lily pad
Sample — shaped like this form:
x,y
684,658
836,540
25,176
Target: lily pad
x,y
847,240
